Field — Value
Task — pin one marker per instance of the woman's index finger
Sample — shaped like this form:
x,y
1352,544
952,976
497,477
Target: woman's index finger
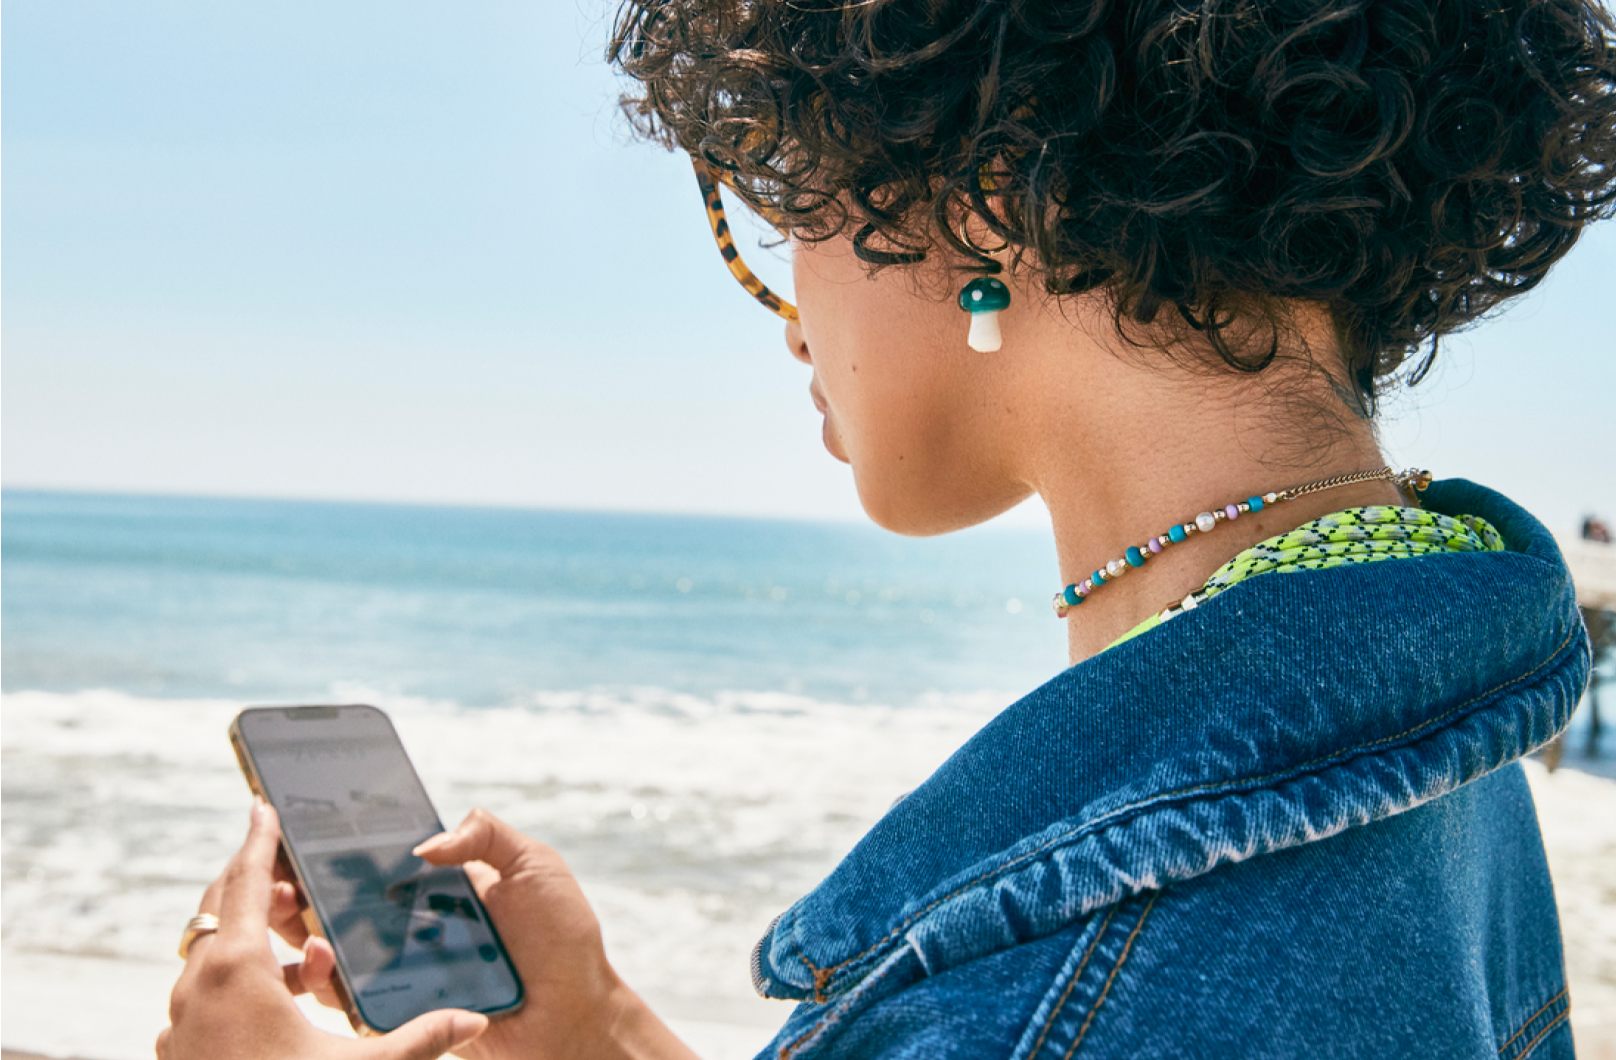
x,y
245,900
480,837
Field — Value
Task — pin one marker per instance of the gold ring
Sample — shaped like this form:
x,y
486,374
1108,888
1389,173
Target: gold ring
x,y
201,924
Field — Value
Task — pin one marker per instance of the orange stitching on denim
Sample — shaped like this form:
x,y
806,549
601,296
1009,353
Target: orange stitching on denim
x,y
1555,1022
1203,789
1105,925
1126,949
808,1035
821,977
823,1025
791,1047
1546,1006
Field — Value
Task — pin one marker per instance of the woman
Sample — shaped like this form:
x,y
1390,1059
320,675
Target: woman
x,y
1261,815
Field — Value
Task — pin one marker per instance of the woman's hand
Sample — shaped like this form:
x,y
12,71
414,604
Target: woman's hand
x,y
575,1004
232,1001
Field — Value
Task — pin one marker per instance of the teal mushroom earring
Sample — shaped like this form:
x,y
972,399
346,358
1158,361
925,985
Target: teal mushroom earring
x,y
984,298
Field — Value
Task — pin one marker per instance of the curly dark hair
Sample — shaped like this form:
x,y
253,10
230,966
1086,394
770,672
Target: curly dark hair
x,y
1406,164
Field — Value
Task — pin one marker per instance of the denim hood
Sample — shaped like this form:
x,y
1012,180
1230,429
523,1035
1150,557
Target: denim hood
x,y
1284,711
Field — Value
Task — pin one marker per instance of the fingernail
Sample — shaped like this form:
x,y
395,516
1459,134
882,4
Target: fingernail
x,y
426,846
466,1026
258,808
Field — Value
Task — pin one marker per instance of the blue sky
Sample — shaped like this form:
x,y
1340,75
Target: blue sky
x,y
407,251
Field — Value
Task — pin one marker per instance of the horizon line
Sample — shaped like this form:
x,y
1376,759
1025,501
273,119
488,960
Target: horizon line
x,y
999,522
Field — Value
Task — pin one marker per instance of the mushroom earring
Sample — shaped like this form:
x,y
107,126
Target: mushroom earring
x,y
984,298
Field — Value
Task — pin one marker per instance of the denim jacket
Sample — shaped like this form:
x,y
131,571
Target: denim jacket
x,y
1284,824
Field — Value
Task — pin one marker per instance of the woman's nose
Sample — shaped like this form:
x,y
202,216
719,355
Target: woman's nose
x,y
796,343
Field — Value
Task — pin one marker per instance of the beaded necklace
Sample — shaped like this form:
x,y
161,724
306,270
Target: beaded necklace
x,y
1409,482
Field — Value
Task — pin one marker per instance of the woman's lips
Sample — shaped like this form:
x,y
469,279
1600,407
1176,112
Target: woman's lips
x,y
826,433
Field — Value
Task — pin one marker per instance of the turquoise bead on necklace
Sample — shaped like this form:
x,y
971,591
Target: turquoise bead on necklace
x,y
1205,522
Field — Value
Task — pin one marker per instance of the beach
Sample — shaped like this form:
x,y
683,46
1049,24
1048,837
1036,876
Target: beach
x,y
702,716
680,900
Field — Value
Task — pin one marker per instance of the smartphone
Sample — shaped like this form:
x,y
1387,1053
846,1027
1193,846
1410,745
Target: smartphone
x,y
409,937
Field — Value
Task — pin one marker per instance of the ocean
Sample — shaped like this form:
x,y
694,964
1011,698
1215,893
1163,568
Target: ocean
x,y
702,714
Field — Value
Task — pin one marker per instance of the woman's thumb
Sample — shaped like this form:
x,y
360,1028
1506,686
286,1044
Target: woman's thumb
x,y
428,1037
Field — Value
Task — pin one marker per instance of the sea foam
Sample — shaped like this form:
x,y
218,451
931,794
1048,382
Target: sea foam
x,y
690,821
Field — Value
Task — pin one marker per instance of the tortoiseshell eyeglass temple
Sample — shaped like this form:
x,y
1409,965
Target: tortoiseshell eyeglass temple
x,y
709,181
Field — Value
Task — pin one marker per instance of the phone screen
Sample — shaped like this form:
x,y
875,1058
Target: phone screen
x,y
408,937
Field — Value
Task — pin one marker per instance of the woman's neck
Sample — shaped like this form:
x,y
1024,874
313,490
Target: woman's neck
x,y
1128,445
1180,569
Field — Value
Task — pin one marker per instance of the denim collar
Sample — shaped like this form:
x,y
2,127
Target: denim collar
x,y
1285,710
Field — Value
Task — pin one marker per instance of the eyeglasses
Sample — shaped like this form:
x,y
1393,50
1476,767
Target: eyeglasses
x,y
712,199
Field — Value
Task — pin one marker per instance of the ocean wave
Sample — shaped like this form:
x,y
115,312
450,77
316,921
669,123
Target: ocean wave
x,y
690,820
